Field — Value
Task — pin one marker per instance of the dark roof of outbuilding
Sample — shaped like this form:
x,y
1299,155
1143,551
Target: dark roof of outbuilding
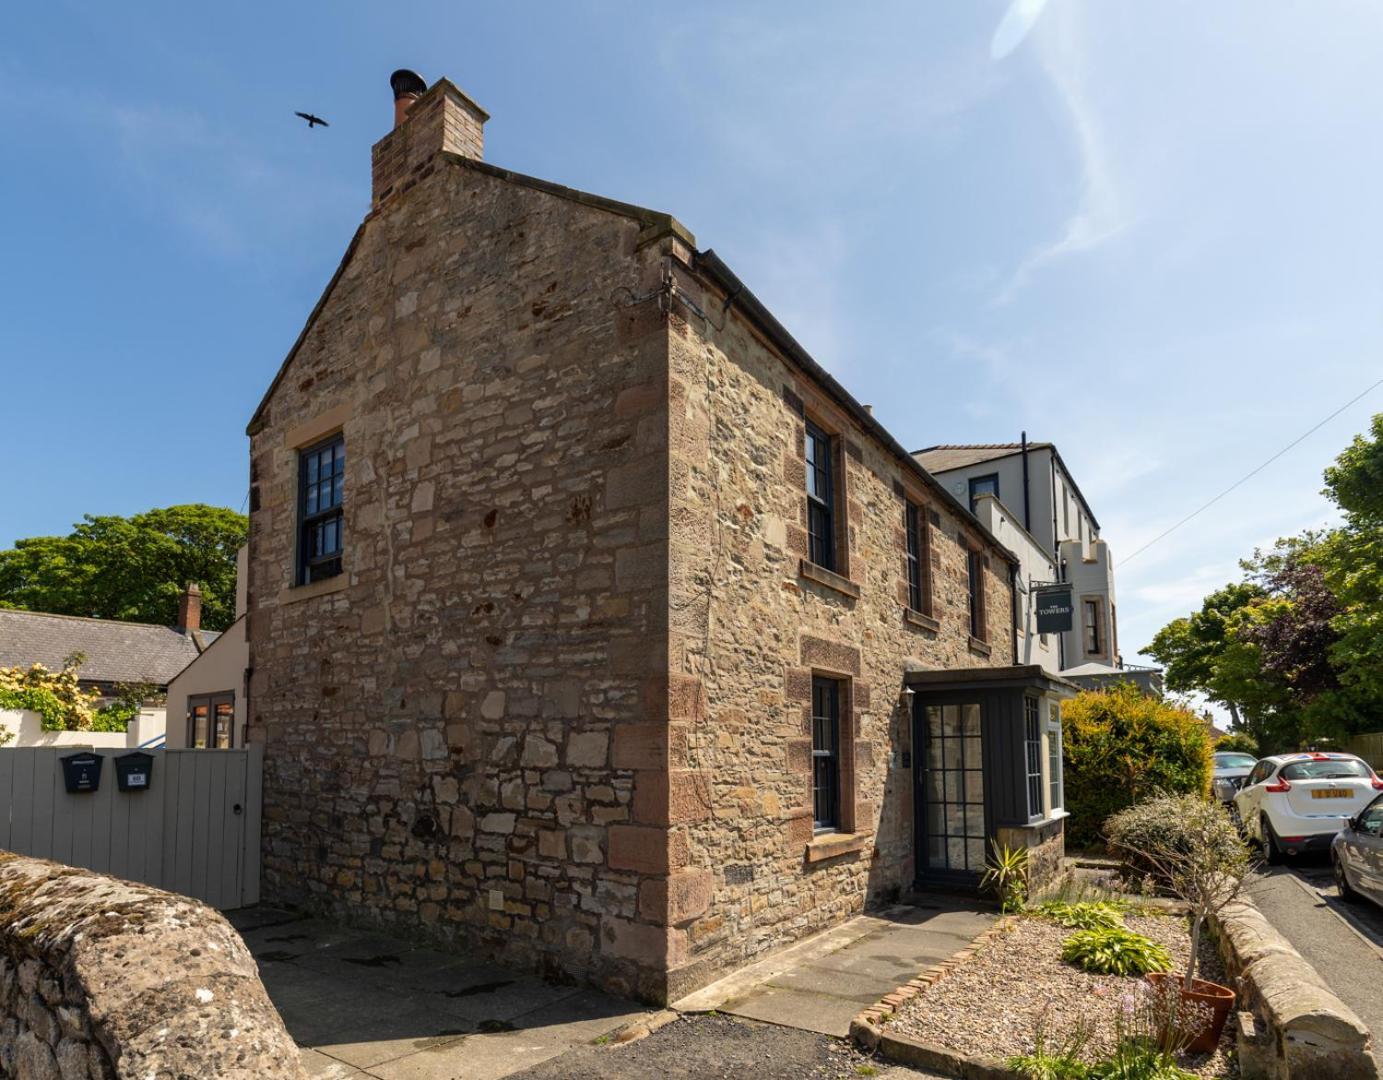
x,y
115,651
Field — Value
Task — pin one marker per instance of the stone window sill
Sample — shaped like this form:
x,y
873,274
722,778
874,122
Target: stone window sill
x,y
317,588
833,845
828,578
980,648
922,622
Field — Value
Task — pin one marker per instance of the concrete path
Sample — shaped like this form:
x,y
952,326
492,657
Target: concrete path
x,y
821,984
370,1005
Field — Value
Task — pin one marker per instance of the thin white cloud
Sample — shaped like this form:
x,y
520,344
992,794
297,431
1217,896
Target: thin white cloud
x,y
1101,213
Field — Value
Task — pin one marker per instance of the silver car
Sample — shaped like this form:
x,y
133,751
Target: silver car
x,y
1232,768
1357,854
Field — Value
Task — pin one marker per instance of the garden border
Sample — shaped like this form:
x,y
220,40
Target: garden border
x,y
866,1029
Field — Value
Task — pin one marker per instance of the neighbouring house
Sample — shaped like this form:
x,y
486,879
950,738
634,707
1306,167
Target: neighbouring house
x,y
115,655
206,700
590,619
1029,485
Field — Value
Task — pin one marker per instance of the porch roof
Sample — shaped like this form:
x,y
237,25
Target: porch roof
x,y
1015,676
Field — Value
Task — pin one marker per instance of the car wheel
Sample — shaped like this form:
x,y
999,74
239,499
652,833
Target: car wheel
x,y
1272,853
1347,892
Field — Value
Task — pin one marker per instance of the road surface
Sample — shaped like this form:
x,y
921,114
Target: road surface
x,y
1343,942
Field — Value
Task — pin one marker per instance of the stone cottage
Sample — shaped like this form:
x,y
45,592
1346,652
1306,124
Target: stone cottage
x,y
590,619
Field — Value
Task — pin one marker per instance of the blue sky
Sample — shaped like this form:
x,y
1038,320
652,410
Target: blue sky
x,y
1150,232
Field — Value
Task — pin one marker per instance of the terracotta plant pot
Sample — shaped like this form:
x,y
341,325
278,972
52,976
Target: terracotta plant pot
x,y
1219,999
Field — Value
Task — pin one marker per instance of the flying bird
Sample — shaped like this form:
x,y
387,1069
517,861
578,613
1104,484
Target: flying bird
x,y
312,121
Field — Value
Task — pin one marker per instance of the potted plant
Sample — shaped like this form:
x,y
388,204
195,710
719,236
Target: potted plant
x,y
1195,854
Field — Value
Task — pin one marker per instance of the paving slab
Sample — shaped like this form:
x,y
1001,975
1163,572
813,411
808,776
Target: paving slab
x,y
822,983
368,1004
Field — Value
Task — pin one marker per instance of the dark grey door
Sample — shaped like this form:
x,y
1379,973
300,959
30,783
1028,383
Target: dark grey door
x,y
951,790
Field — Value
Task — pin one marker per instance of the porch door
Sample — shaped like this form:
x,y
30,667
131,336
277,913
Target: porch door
x,y
951,786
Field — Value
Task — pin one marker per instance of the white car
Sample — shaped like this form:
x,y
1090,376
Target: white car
x,y
1293,803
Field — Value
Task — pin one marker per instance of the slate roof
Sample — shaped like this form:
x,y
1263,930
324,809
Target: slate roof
x,y
115,651
957,455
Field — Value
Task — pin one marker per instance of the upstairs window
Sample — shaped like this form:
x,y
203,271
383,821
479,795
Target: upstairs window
x,y
974,565
321,488
821,499
1092,626
983,485
826,754
915,523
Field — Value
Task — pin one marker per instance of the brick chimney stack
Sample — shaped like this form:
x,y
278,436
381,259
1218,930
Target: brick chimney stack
x,y
427,121
190,608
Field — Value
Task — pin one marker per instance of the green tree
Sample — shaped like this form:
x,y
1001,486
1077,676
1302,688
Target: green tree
x,y
131,569
1352,560
1194,647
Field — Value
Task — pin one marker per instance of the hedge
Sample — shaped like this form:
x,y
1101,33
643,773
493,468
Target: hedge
x,y
1121,746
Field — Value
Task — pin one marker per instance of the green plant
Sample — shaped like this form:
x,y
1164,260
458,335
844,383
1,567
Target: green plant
x,y
1084,915
1060,1063
56,696
1114,950
1241,741
1135,1059
866,1069
1006,876
1191,849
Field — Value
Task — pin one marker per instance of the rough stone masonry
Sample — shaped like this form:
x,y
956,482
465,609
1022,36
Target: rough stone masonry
x,y
102,978
556,704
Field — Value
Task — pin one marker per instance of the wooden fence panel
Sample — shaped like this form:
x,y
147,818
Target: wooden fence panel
x,y
194,831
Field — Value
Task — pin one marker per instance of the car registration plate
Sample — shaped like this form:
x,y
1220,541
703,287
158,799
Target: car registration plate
x,y
1331,793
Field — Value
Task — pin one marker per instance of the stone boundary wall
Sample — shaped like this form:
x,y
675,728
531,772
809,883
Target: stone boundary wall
x,y
1290,1024
104,978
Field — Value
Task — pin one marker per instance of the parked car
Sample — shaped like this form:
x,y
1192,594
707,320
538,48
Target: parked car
x,y
1357,854
1232,768
1293,803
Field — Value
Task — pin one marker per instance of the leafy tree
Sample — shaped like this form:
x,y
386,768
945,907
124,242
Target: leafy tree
x,y
1240,741
1193,647
112,567
1295,651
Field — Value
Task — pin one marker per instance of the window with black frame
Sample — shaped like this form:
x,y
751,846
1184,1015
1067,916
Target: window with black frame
x,y
1032,746
1092,626
983,485
821,496
826,754
913,522
321,486
953,789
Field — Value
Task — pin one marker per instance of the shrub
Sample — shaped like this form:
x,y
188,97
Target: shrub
x,y
1238,740
1006,876
1190,848
1121,746
56,696
1087,915
1115,951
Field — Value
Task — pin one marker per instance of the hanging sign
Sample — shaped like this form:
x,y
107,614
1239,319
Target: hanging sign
x,y
1055,609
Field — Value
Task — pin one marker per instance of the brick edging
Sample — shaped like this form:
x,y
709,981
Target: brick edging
x,y
866,1029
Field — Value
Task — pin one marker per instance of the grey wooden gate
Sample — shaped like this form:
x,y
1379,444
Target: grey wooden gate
x,y
195,831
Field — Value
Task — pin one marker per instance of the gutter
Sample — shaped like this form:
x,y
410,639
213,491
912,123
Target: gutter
x,y
738,295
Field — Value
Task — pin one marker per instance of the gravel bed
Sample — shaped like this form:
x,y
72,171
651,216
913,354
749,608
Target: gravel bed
x,y
993,1003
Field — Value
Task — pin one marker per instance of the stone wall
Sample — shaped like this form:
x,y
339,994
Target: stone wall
x,y
1046,848
749,627
1291,1025
103,978
452,726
